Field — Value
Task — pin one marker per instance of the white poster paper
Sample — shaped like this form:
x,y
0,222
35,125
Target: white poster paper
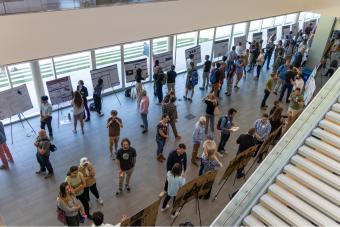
x,y
220,47
60,90
196,51
109,75
242,39
309,90
295,29
14,101
313,22
165,60
132,66
270,32
257,36
285,31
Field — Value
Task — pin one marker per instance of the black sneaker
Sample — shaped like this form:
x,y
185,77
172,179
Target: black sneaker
x,y
127,188
39,172
142,126
145,131
119,192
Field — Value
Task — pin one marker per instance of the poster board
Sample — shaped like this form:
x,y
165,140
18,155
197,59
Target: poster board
x,y
257,36
220,47
295,28
285,31
165,60
187,192
306,23
242,39
310,87
109,74
60,90
145,217
196,51
265,145
270,32
14,101
131,67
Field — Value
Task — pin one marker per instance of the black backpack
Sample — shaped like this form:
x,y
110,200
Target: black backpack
x,y
52,147
92,107
127,92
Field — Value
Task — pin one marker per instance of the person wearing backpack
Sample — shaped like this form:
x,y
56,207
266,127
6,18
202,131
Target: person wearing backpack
x,y
191,81
206,71
42,144
215,78
171,78
224,124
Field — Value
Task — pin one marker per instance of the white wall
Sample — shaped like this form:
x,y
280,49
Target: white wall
x,y
37,35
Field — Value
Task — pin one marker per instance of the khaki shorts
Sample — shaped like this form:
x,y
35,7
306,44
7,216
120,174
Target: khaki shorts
x,y
112,139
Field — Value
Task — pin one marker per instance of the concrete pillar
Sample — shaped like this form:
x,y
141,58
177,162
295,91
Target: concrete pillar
x,y
93,59
322,33
37,80
171,43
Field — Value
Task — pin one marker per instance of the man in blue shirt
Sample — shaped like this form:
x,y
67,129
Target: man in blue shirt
x,y
231,57
281,71
225,126
262,130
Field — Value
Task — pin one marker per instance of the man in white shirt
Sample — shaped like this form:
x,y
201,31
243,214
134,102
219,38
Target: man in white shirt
x,y
98,220
46,115
189,60
239,49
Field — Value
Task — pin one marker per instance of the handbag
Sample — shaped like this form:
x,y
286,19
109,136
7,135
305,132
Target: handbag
x,y
217,111
61,216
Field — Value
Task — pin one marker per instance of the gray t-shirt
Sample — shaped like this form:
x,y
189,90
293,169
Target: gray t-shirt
x,y
45,144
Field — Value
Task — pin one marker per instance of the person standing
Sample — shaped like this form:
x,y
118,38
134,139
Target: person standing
x,y
259,63
197,138
244,142
288,84
5,154
144,110
245,61
239,70
230,80
98,220
281,77
206,72
239,49
126,160
226,122
211,103
171,110
189,60
162,136
268,90
159,78
84,93
262,130
296,103
171,78
77,182
278,49
42,143
269,52
89,174
297,59
299,83
78,111
97,97
189,82
46,115
139,86
278,62
114,124
215,78
69,204
231,57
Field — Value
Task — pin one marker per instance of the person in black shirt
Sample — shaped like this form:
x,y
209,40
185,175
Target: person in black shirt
x,y
84,93
206,71
288,83
139,86
245,141
171,78
126,160
211,103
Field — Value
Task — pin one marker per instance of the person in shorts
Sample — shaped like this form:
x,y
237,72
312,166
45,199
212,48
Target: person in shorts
x,y
114,124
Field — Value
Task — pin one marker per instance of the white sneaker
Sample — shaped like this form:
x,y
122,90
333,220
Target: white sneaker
x,y
162,194
164,209
175,214
100,201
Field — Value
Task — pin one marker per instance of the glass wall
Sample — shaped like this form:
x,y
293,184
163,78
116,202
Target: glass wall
x,y
206,41
106,57
223,32
159,45
290,18
4,83
46,70
239,30
183,42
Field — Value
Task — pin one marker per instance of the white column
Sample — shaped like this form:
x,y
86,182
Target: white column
x,y
122,64
150,71
37,79
247,30
93,59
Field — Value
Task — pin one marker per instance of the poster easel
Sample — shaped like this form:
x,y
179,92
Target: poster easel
x,y
22,118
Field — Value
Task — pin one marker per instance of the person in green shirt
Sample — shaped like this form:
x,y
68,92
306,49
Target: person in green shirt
x,y
268,90
296,103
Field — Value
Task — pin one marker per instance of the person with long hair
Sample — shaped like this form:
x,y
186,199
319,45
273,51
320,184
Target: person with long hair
x,y
78,111
139,86
69,204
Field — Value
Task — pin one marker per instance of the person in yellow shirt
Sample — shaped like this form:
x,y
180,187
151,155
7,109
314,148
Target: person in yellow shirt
x,y
268,90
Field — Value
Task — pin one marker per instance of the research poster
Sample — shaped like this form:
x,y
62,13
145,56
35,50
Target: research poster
x,y
310,87
132,66
165,60
14,101
270,32
257,36
295,28
60,90
285,31
196,51
220,48
109,74
242,39
313,22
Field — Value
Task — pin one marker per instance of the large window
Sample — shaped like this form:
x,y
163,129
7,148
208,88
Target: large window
x,y
290,18
206,42
135,51
267,23
4,83
223,32
302,16
183,42
77,66
109,56
255,25
308,16
160,45
239,29
46,70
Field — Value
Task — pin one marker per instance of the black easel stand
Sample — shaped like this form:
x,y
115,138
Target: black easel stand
x,y
22,118
219,190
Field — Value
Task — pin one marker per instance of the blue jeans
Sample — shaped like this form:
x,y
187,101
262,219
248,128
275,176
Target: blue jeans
x,y
159,92
258,70
144,117
286,86
44,162
229,63
267,58
160,146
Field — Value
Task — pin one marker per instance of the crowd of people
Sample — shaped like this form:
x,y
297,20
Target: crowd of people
x,y
285,79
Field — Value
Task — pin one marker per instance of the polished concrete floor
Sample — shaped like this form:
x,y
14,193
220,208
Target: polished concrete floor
x,y
27,199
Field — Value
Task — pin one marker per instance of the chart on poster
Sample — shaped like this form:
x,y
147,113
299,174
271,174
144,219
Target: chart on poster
x,y
196,51
165,60
285,31
257,36
60,90
108,74
240,39
220,47
14,101
132,66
